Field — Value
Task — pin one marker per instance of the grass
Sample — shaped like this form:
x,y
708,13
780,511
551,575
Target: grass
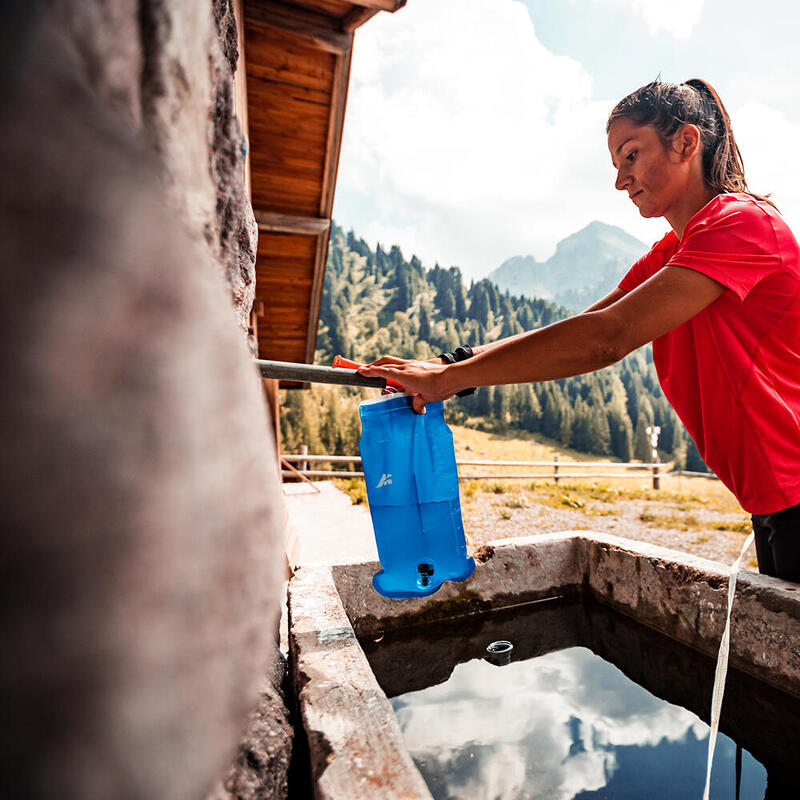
x,y
354,488
682,522
737,527
686,493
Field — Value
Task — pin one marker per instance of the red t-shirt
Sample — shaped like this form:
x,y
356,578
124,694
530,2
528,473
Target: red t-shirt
x,y
732,372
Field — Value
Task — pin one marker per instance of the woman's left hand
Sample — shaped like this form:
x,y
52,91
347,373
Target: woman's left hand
x,y
426,379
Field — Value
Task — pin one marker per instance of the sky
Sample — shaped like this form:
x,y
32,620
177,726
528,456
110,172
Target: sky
x,y
475,129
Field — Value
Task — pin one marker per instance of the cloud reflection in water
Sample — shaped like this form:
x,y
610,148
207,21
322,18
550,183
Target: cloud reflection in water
x,y
550,728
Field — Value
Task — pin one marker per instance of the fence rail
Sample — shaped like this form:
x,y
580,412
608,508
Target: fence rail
x,y
562,470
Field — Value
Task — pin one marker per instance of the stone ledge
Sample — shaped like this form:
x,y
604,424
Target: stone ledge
x,y
355,744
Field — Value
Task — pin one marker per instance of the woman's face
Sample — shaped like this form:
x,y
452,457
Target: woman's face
x,y
654,176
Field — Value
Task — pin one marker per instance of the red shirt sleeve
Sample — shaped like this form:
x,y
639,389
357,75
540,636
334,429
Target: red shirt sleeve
x,y
734,244
650,263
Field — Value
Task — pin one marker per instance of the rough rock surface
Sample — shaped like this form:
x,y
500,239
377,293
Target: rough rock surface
x,y
168,66
260,770
142,519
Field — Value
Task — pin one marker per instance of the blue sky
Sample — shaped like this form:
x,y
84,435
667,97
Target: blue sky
x,y
475,128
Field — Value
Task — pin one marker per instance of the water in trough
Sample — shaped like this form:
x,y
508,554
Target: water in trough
x,y
590,705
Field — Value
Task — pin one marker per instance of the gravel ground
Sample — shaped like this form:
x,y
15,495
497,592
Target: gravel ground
x,y
489,516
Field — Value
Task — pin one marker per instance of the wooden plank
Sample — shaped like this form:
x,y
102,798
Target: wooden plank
x,y
280,194
281,350
335,9
318,29
316,295
290,244
335,127
356,17
294,161
280,333
288,316
279,108
270,222
295,329
270,86
381,5
281,56
285,301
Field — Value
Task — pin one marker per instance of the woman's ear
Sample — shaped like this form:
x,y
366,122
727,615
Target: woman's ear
x,y
687,141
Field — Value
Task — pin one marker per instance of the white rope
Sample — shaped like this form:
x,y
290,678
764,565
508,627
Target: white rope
x,y
722,667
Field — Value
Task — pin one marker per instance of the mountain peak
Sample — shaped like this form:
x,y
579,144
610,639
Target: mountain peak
x,y
584,267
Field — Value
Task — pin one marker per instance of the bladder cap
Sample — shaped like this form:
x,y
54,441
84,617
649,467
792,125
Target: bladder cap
x,y
499,653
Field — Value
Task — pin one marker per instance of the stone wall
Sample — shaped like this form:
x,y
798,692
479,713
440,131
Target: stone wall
x,y
142,547
166,67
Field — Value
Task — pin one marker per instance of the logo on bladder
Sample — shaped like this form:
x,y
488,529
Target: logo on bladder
x,y
385,480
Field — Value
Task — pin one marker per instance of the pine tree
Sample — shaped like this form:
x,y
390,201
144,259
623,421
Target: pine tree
x,y
445,302
580,431
599,431
694,461
424,324
551,416
461,303
485,400
679,448
641,441
501,406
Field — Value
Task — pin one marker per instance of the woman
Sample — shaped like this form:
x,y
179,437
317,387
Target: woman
x,y
719,297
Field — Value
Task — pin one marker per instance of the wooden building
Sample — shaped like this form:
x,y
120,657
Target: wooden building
x,y
294,68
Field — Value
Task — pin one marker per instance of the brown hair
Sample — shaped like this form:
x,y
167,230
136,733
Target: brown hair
x,y
667,106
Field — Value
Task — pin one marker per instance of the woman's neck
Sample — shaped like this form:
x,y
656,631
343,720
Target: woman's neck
x,y
690,203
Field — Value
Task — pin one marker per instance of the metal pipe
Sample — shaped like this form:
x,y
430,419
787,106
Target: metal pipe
x,y
313,373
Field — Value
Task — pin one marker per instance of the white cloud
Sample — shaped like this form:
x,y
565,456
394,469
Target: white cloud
x,y
677,18
767,140
466,141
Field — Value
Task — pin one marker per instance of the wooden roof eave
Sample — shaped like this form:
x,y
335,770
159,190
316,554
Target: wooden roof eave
x,y
294,155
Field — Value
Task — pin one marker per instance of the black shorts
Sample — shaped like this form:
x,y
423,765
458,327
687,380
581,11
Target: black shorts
x,y
778,543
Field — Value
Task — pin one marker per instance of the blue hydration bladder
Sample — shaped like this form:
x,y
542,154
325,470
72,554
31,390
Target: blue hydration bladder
x,y
412,485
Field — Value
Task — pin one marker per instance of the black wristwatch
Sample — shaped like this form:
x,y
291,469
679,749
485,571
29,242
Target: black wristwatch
x,y
461,353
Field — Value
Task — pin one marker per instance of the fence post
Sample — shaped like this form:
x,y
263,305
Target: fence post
x,y
652,432
303,452
555,468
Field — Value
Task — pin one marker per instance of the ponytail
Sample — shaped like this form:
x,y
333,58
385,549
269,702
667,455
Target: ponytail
x,y
668,106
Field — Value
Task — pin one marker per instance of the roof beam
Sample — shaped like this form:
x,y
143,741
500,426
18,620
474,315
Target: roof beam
x,y
380,5
364,10
356,17
272,222
317,28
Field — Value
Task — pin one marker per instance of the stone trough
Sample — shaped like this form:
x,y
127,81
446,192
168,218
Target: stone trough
x,y
355,744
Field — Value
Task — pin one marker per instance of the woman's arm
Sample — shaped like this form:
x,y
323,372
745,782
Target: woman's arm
x,y
609,299
594,339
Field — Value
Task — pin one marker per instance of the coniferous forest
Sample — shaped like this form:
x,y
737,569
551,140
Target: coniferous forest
x,y
375,302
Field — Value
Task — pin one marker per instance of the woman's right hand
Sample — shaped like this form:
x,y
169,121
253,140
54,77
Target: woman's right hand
x,y
425,379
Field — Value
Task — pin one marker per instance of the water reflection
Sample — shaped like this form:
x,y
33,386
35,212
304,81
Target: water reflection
x,y
564,725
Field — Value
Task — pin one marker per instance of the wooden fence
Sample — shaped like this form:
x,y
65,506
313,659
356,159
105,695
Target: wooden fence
x,y
561,470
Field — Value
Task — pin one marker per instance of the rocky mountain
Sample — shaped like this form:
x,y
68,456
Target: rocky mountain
x,y
585,267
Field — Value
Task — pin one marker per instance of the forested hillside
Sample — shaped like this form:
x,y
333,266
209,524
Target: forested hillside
x,y
377,302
